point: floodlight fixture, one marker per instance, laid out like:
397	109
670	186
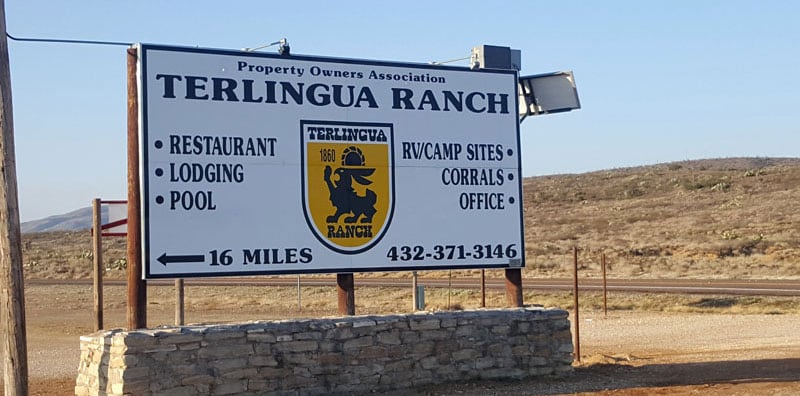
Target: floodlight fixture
284	49
538	94
547	94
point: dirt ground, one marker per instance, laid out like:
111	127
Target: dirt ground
625	353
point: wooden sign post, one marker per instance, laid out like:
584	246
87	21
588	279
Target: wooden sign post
97	263
137	288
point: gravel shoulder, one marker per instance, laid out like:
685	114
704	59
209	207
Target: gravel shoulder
636	353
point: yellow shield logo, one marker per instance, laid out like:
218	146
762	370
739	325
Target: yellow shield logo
348	182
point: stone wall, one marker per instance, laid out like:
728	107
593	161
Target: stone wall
348	354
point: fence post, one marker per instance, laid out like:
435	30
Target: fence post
414	295
483	288
605	285
299	296
97	263
577	310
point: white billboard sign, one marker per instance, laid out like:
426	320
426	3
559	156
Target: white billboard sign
262	164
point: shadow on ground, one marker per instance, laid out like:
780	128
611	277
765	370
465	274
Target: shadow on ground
704	373
618	377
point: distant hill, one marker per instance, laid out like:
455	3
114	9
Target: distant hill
76	220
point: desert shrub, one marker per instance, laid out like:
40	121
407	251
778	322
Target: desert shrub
633	192
741	247
721	186
693	185
714	302
118	264
674	167
754	172
729	235
735	203
645	252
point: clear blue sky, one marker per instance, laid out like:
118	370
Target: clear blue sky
659	81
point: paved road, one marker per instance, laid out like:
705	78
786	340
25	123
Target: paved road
693	286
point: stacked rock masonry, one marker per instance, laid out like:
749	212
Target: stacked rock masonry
319	356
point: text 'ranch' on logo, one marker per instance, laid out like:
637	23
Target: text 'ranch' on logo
348	182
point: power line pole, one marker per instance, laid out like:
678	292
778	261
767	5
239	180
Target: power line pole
15	359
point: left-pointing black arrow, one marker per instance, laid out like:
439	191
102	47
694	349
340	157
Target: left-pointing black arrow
190	258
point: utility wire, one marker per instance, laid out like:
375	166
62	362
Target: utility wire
64	41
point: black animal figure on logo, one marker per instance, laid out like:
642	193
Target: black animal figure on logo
344	198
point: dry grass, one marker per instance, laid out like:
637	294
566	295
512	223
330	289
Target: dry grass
68	255
217	303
